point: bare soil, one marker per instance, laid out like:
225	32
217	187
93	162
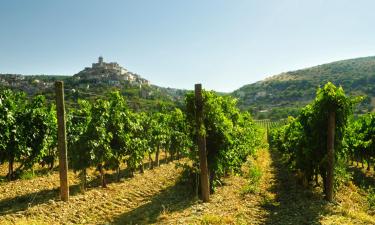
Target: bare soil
159	197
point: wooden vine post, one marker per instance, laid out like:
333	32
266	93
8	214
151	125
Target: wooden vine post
61	141
205	185
330	155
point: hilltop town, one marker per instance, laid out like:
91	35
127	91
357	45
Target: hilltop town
100	73
111	73
98	79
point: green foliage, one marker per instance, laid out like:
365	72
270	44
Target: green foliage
100	138
106	133
39	126
159	130
255	174
80	154
11	139
138	142
26	130
119	125
27	175
179	134
342	175
230	135
51	139
371	198
360	138
304	139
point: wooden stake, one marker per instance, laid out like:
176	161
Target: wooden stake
205	185
330	155
61	139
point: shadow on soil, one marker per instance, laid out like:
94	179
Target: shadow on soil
293	204
171	199
362	177
125	173
21	203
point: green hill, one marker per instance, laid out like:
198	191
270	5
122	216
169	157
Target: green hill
96	81
139	97
283	94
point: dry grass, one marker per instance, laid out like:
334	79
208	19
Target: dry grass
157	197
36	201
228	205
352	206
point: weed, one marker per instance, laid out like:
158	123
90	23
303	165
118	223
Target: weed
210	219
254	176
27	175
342	175
214	219
25	222
269	202
371	198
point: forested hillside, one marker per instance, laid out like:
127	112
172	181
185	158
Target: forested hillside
284	94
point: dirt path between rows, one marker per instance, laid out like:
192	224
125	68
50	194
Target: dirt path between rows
290	203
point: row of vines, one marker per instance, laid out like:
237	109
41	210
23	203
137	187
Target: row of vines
105	134
303	140
27	131
359	140
270	124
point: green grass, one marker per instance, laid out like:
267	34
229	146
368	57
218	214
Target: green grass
371	198
27	175
254	176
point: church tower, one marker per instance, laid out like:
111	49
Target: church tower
100	61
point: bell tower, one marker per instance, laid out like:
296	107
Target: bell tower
100	60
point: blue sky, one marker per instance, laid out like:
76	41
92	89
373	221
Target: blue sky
222	44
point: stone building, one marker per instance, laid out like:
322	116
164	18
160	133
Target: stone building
111	73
